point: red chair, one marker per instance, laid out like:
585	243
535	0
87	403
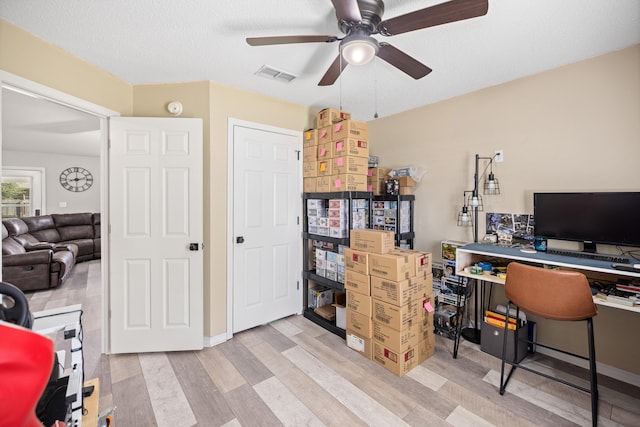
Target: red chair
26	361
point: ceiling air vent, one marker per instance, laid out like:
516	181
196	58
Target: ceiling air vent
274	74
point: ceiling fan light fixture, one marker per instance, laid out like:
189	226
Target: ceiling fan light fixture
358	49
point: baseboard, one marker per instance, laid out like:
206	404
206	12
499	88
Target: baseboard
609	371
215	340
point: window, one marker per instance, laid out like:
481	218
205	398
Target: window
22	193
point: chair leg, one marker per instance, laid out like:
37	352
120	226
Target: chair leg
593	374
503	382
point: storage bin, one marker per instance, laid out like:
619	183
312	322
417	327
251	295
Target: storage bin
491	341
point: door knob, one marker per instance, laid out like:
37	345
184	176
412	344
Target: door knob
193	246
239	239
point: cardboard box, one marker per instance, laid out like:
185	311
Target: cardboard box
426	327
405	191
424	262
378	173
309	154
396	317
357	282
356	260
397	362
393	266
323	184
350	147
329	116
425	285
406	181
324	135
359	343
327	312
310	169
310	138
426	348
323	151
399	293
349	182
373	241
376	187
398	341
350	165
359	323
324	167
359	303
350	129
309	185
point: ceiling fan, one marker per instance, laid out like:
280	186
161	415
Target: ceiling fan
360	19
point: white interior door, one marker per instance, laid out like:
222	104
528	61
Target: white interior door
267	205
156	217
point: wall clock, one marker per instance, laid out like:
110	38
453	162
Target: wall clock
76	179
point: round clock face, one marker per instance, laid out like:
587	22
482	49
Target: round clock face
76	179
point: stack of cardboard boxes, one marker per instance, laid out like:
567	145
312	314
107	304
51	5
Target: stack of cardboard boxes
336	153
389	314
375	180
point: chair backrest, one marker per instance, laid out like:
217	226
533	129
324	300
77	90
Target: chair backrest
552	294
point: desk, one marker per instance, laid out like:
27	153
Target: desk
614	322
69	320
475	252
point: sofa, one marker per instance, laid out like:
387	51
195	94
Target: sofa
39	252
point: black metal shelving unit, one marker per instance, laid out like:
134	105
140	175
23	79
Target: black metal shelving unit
410	198
309	273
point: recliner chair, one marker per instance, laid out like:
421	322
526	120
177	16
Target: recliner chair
32	265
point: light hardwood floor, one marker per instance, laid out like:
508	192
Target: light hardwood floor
294	373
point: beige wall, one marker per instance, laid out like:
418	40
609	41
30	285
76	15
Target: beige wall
27	56
572	128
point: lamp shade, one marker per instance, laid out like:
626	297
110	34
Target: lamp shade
491	185
464	218
358	49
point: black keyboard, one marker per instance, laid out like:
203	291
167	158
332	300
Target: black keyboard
589	255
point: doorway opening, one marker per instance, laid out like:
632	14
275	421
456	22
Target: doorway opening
75	117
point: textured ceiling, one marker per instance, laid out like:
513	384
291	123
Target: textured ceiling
162	41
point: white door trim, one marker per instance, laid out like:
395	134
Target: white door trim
231	123
37	90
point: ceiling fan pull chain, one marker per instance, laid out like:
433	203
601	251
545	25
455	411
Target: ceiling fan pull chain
375	89
340	82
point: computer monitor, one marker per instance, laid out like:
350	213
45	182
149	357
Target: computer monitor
611	218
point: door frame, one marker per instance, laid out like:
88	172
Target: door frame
231	123
37	90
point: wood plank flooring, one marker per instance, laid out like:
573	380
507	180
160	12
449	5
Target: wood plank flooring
294	373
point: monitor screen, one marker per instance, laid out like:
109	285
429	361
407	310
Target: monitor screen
600	217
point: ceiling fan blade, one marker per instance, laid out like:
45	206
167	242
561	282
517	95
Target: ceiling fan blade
347	10
265	41
402	61
444	13
333	72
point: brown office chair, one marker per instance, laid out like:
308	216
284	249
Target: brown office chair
555	295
